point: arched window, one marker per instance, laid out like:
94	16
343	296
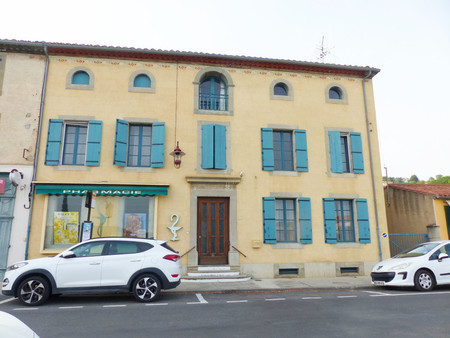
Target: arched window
280	89
213	94
80	78
335	93
142	81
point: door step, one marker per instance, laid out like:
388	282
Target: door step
214	274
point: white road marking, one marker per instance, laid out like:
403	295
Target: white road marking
156	304
410	294
311	297
378	293
200	298
274	299
25	308
237	301
70	307
117	305
7	300
347	296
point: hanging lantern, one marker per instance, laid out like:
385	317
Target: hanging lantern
177	153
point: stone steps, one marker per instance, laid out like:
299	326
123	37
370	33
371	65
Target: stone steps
214	274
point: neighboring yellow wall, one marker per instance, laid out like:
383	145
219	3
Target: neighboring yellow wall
253	110
441	220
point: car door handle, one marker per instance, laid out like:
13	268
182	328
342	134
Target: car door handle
135	260
96	263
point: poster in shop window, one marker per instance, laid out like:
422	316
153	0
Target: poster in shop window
65	227
135	225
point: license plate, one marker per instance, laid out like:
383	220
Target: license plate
379	283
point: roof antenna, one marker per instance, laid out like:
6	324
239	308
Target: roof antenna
323	51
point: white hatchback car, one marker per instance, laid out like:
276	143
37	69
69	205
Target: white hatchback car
140	266
423	267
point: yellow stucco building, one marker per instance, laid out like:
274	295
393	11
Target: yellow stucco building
281	173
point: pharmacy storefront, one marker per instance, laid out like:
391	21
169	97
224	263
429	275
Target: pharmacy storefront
116	211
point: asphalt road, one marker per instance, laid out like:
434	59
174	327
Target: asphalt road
323	313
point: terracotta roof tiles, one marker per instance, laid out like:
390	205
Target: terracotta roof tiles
437	190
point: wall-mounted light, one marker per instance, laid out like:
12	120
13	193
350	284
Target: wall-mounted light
177	153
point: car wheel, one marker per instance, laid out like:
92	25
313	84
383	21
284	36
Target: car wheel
33	291
424	280
146	288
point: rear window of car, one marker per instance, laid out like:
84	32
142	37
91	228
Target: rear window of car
165	245
121	248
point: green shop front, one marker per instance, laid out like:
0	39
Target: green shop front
117	211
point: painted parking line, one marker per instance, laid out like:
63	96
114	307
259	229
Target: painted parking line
116	305
348	296
200	298
311	297
274	299
7	300
25	308
70	307
156	304
237	301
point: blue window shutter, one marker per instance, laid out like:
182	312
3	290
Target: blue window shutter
220	147
121	143
94	143
363	220
208	146
267	149
329	218
357	155
158	140
335	152
269	220
53	142
301	150
305	220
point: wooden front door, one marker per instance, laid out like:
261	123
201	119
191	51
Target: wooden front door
212	230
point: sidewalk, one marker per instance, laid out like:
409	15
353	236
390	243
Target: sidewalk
275	284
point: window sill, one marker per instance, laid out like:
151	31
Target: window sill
343	175
281	97
141	90
213	112
336	101
138	169
284	173
287	246
72	167
348	245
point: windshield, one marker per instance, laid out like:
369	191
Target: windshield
419	250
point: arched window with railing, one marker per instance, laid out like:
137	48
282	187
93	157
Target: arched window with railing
213	94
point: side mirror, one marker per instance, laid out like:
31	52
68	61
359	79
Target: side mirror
67	254
442	256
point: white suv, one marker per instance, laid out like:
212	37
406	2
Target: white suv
140	266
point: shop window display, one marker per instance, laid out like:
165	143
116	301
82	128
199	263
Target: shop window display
113	216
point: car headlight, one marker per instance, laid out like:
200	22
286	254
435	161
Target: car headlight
16	266
401	266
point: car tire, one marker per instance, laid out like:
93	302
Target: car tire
424	280
33	291
146	288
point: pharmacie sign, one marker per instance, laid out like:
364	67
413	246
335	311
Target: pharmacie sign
49	189
104	192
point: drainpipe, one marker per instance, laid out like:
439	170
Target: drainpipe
36	156
371	164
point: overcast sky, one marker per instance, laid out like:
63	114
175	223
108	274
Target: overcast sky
409	40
